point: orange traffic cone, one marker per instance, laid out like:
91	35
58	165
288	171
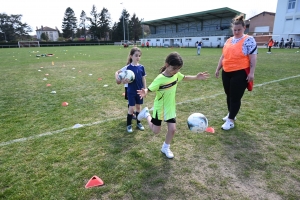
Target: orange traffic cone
93	182
210	130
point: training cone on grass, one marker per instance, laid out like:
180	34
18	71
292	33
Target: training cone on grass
64	103
94	181
210	130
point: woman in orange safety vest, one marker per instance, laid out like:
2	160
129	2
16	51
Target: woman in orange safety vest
238	62
270	44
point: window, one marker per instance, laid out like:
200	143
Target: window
157	40
205	38
188	39
291	5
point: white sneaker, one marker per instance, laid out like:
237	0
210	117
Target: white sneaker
140	127
226	117
129	129
167	152
227	125
143	114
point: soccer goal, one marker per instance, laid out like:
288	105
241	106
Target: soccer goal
28	44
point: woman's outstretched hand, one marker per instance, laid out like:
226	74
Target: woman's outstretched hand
203	75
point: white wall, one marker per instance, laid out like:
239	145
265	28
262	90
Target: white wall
53	35
287	21
209	41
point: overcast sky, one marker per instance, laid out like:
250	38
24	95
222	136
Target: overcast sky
37	13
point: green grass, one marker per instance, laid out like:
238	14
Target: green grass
43	157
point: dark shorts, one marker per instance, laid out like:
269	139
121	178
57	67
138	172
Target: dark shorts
134	99
157	122
126	93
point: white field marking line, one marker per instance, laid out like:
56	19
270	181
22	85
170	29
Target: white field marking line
54	132
255	85
100	122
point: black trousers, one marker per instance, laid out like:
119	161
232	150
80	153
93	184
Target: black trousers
270	48
234	84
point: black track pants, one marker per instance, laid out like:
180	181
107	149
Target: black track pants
234	84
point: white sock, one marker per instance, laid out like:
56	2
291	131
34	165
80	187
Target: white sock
166	145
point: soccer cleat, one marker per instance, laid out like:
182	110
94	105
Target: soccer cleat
226	117
140	126
167	152
227	125
129	129
143	114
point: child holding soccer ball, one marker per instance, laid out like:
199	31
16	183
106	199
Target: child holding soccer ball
139	82
165	85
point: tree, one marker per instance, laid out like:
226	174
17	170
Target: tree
44	36
104	23
119	28
59	33
82	23
94	22
11	27
69	24
135	28
115	32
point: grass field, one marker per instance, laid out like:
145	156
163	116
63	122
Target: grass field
43	157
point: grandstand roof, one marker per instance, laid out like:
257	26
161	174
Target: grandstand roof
204	15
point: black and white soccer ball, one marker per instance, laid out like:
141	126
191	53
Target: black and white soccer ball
197	122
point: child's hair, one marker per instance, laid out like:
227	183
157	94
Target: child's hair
173	59
239	20
132	51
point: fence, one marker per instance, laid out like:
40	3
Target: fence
54	44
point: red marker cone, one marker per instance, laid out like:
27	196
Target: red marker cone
65	104
93	182
210	130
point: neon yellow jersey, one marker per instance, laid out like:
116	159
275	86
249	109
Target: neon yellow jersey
164	104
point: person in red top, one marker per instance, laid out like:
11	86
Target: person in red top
147	44
238	62
270	44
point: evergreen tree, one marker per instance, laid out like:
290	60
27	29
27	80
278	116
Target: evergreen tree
94	27
82	24
116	32
69	24
104	23
121	27
135	28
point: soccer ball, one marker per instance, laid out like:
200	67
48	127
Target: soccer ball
128	74
197	122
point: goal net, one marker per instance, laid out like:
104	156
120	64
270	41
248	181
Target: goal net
28	44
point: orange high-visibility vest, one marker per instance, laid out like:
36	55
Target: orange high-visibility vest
271	42
233	56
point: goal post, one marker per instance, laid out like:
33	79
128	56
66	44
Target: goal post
28	44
